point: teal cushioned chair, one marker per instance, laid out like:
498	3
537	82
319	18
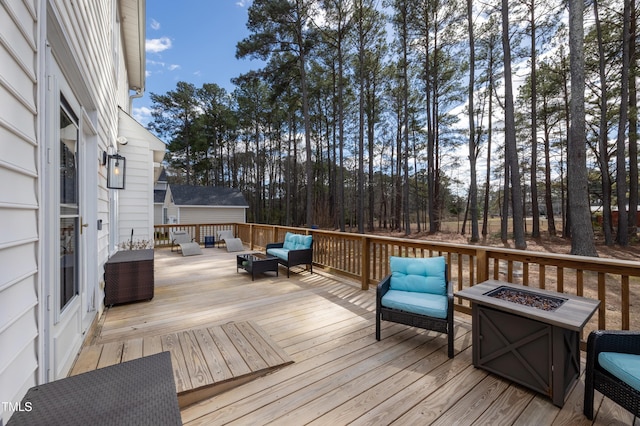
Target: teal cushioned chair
296	249
612	369
417	293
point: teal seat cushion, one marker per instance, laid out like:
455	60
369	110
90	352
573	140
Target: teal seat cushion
625	367
297	241
279	252
431	305
421	275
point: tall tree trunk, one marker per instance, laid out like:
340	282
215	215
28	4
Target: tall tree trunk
371	144
535	210
551	223
307	137
360	197
582	240
603	135
473	188
510	136
621	163
633	125
485	217
506	202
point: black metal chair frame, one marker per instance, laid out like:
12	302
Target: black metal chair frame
414	320
597	378
295	257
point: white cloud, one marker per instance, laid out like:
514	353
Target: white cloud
174	67
142	115
155	25
242	3
157	63
156	45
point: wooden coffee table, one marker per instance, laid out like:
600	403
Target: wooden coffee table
257	263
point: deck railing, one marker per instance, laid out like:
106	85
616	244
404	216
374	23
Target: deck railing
616	283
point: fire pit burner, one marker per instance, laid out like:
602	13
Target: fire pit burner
527	298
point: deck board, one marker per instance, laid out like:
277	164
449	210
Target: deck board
201	358
325	324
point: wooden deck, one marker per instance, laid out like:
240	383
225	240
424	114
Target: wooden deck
340	374
206	361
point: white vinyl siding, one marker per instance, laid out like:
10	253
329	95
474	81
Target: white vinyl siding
82	41
136	200
18	206
213	214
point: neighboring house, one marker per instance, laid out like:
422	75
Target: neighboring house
159	194
69	71
186	204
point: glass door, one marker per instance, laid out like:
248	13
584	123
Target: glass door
69	205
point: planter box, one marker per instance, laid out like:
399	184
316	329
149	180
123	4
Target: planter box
539	349
128	277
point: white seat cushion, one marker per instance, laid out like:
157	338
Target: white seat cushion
190	249
234	244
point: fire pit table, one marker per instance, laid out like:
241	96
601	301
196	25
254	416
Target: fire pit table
527	335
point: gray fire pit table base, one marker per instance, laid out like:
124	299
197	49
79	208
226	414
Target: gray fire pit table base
536	348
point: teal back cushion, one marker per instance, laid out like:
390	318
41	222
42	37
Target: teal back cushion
421	275
297	241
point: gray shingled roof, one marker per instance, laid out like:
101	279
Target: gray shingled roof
187	195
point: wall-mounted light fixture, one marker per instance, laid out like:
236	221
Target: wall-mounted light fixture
116	172
104	158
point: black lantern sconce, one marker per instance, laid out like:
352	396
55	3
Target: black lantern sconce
116	172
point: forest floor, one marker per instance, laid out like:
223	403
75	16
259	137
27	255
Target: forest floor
546	243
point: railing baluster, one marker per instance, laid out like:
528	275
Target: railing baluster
602	311
626	302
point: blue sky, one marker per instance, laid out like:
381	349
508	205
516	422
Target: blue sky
193	41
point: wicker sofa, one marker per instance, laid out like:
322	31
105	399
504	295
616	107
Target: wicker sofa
417	293
296	249
611	356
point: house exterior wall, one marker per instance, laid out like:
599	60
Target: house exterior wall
19	238
136	212
173	212
158	218
84	40
214	214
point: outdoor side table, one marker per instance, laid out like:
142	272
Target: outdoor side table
128	277
537	348
138	392
257	263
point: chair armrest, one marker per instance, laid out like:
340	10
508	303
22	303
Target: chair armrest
382	289
450	300
275	245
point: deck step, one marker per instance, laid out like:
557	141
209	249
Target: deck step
206	361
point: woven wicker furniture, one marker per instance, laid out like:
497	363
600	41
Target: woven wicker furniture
140	392
442	325
257	263
597	378
296	249
128	277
